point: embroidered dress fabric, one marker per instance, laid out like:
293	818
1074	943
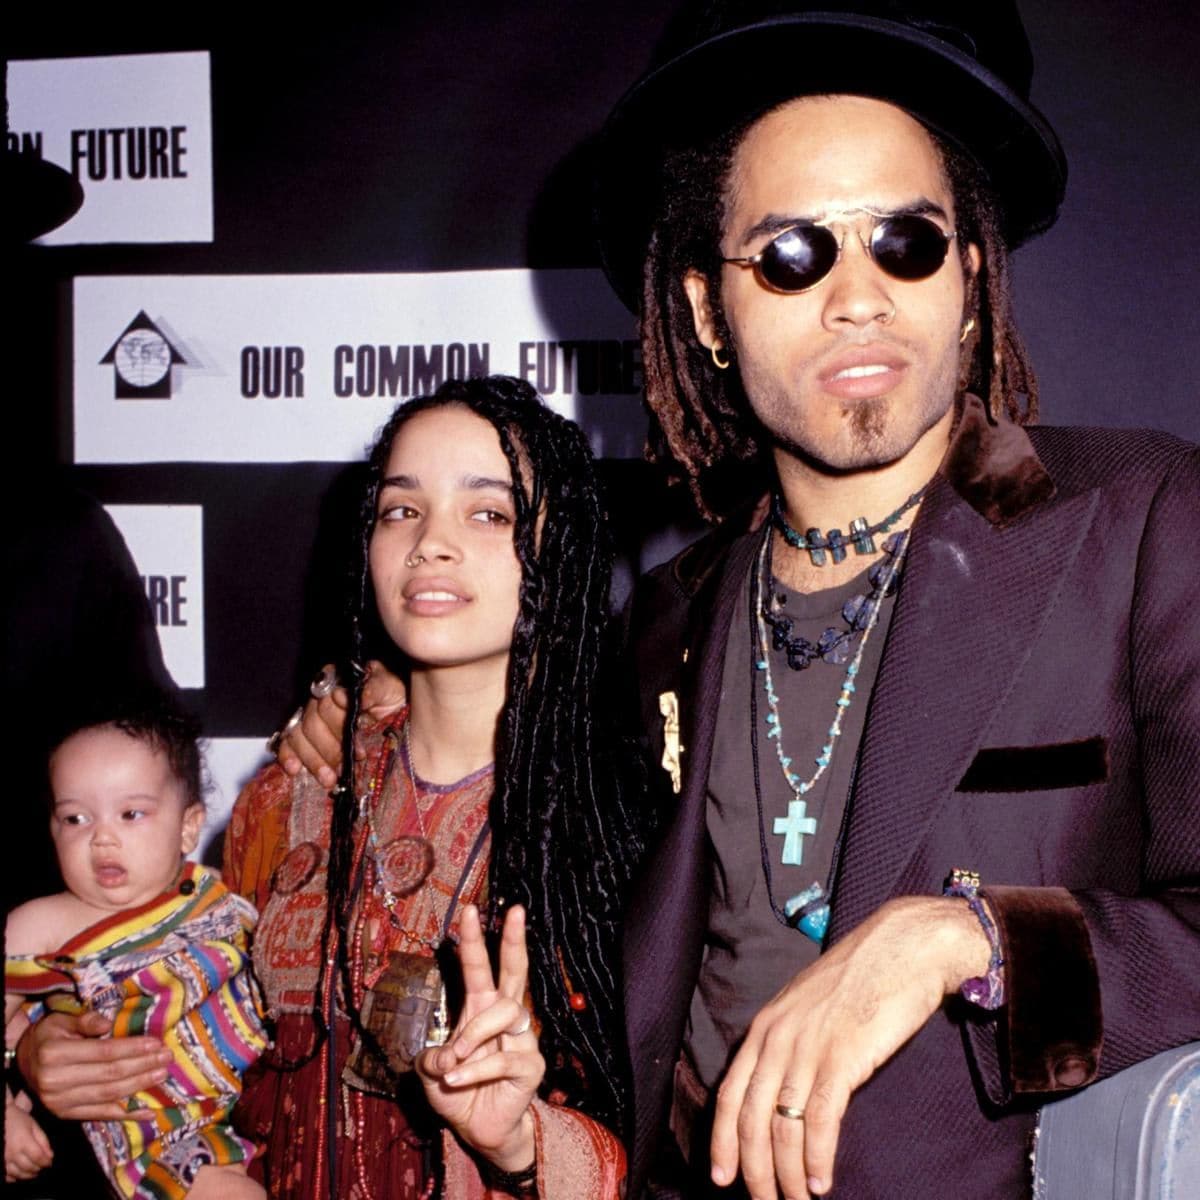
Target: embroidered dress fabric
276	851
176	969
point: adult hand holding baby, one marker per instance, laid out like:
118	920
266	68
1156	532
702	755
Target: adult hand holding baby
81	1075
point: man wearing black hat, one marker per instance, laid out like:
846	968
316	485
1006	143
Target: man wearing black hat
946	653
811	209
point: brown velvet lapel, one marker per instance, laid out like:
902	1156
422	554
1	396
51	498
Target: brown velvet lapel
994	467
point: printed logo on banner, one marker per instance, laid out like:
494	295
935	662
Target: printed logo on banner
142	359
166	541
134	129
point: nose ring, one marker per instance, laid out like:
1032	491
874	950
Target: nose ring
888	317
414	560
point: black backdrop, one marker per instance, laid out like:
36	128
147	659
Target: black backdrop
452	137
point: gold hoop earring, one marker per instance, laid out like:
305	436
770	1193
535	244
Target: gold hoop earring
966	330
721	365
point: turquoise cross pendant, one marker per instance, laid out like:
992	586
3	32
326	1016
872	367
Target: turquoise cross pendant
793	827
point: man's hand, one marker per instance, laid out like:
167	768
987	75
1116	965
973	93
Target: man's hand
80	1075
315	742
827	1032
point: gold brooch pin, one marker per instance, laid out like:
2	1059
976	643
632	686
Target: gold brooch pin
668	705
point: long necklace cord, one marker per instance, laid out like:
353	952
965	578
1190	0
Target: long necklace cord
809	910
758	799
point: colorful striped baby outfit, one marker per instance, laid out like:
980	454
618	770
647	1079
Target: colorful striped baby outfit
176	968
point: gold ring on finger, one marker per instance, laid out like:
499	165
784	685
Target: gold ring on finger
792	1113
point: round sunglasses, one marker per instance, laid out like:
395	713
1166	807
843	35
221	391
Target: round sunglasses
905	245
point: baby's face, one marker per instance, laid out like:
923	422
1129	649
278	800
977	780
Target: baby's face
121	820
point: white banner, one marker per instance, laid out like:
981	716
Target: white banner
231	763
134	129
167	544
285	368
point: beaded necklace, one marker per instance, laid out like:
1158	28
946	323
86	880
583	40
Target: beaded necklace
400	867
834	645
809	910
861	536
405	863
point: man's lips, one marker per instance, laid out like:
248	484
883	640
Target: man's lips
863	372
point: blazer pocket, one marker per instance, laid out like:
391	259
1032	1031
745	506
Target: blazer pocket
1038	768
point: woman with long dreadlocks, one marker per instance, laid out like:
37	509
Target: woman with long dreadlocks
484	562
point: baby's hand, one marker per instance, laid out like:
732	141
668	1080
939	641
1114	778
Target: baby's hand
26	1148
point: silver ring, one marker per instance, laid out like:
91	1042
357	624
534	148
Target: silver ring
524	1027
324	681
276	739
792	1114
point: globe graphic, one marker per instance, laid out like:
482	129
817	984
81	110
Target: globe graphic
143	357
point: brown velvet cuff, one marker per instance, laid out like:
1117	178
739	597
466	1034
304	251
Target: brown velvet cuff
1055	1023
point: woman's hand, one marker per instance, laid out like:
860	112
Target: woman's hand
482	1081
314	743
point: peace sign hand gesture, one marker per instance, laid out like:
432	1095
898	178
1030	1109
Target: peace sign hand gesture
483	1080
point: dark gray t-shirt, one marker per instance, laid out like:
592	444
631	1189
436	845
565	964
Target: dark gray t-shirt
749	955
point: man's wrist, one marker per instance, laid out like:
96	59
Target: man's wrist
982	979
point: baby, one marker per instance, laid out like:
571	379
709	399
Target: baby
155	943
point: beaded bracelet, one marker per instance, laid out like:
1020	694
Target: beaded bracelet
984	991
514	1183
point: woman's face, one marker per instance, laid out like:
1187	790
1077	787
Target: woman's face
445	573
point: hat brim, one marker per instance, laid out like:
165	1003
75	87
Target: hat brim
747	71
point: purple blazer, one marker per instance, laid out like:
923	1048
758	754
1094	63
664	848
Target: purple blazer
1036	717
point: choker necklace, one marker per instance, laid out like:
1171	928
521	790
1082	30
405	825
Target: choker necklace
861	536
833	646
809	910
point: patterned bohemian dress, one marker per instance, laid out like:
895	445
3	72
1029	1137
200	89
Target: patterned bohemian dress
420	855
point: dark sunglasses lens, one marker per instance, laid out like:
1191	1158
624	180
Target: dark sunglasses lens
798	258
909	247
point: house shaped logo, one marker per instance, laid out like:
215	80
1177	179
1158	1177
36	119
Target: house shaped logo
142	359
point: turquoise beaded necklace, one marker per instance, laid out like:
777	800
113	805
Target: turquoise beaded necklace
797	823
808	910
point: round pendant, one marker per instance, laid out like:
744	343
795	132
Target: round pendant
298	868
404	864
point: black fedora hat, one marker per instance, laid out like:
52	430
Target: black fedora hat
961	67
